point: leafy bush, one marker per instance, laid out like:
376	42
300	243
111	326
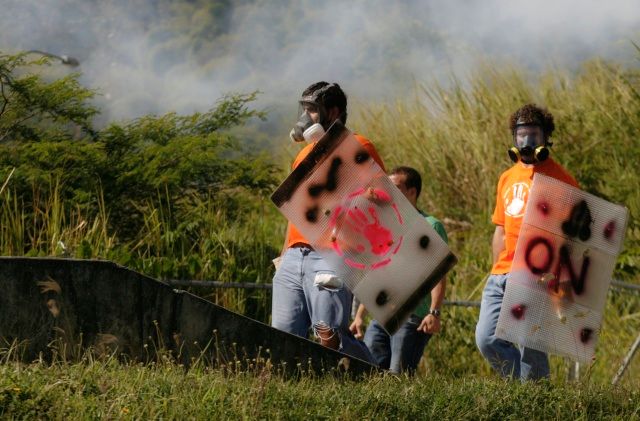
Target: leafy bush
174	196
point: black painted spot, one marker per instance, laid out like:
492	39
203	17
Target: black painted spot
424	241
315	190
362	157
382	298
312	214
332	179
585	335
578	224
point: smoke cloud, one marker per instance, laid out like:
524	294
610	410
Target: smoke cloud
154	56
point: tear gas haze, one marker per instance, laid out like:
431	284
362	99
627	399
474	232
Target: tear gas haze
154	56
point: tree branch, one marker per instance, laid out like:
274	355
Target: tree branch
16	124
4	96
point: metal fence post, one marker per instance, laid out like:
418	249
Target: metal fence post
626	361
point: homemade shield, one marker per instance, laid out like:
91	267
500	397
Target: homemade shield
562	267
345	205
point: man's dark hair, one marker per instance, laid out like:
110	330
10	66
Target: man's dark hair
412	178
329	95
531	114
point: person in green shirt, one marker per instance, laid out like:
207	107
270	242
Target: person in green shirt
401	352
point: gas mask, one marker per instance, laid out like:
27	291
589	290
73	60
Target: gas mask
530	144
311	108
305	129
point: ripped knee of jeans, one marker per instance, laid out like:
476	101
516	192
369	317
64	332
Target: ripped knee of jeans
328	336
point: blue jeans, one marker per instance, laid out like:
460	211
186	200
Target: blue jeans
402	350
298	304
504	357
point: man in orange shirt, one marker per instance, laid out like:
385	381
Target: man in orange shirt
306	292
531	128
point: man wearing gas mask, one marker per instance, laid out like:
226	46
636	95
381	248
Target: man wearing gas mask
531	127
306	292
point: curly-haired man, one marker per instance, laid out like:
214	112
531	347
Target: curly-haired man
531	128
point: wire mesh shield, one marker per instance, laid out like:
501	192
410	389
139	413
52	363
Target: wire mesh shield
530	318
562	267
345	205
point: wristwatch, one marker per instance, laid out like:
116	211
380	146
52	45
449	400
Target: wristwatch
436	313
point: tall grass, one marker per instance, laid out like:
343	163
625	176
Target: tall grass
204	245
107	389
207	245
457	136
44	226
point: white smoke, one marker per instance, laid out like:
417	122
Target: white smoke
134	53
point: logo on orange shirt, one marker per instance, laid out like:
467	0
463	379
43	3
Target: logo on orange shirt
515	199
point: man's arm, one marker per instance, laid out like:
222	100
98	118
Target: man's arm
431	323
497	245
357	326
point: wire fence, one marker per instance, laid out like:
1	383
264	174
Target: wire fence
617	286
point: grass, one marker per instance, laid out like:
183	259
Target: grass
106	389
457	137
206	245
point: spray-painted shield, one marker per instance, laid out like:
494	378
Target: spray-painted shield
562	268
352	214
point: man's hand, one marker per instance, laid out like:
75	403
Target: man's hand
357	327
377	195
430	324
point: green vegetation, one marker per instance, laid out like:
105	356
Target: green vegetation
182	197
107	389
172	196
457	136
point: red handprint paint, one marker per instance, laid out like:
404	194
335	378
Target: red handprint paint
371	235
354	264
381	264
380	238
395	208
398	246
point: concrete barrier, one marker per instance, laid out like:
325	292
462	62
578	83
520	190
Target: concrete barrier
70	306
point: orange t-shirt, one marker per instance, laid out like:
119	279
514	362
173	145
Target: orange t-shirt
296	236
511	202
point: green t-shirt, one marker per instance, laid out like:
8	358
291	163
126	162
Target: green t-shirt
425	305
